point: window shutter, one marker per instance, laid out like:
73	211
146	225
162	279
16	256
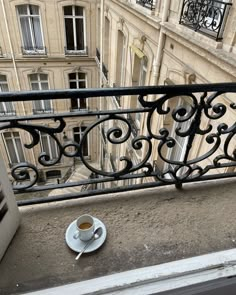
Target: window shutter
9	213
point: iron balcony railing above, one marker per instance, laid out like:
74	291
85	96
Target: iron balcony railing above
150	4
188	135
205	16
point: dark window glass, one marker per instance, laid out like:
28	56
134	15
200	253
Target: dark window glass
72	76
69	34
78	10
74	104
80	34
68	10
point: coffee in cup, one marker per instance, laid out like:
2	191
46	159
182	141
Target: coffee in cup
85	227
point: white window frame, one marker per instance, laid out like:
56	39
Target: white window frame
29	17
12	137
3	103
50	142
74	17
42	102
77	81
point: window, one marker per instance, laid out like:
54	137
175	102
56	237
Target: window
13	147
78	80
6	108
31	30
120	59
138	79
49	146
75	28
40	82
78	133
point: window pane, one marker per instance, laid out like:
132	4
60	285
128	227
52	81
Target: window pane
19	149
73	85
34	77
2	110
44	85
38	105
53	146
81	75
69	34
22	9
34	9
3	78
80	34
35	86
4	87
74	103
68	10
82	84
83	103
11	151
26	35
47	105
36	30
78	10
43	77
9	106
72	76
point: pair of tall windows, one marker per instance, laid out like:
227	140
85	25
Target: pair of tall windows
14	146
32	34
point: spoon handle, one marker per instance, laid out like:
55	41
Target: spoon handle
85	247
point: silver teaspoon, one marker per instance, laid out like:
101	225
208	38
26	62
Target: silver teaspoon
97	235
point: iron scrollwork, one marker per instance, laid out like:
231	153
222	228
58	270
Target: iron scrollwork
206	16
167	154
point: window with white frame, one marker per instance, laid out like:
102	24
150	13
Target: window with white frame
40	82
75	28
76	81
6	108
49	145
120	59
31	29
13	147
78	134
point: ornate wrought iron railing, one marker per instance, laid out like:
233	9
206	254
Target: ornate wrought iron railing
150	4
188	135
206	16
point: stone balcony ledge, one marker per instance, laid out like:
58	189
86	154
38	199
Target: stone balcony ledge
145	227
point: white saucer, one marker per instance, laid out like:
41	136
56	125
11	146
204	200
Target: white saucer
77	245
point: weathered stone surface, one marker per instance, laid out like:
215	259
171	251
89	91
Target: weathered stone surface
145	228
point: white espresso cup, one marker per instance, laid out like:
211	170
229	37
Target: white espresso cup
85	228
